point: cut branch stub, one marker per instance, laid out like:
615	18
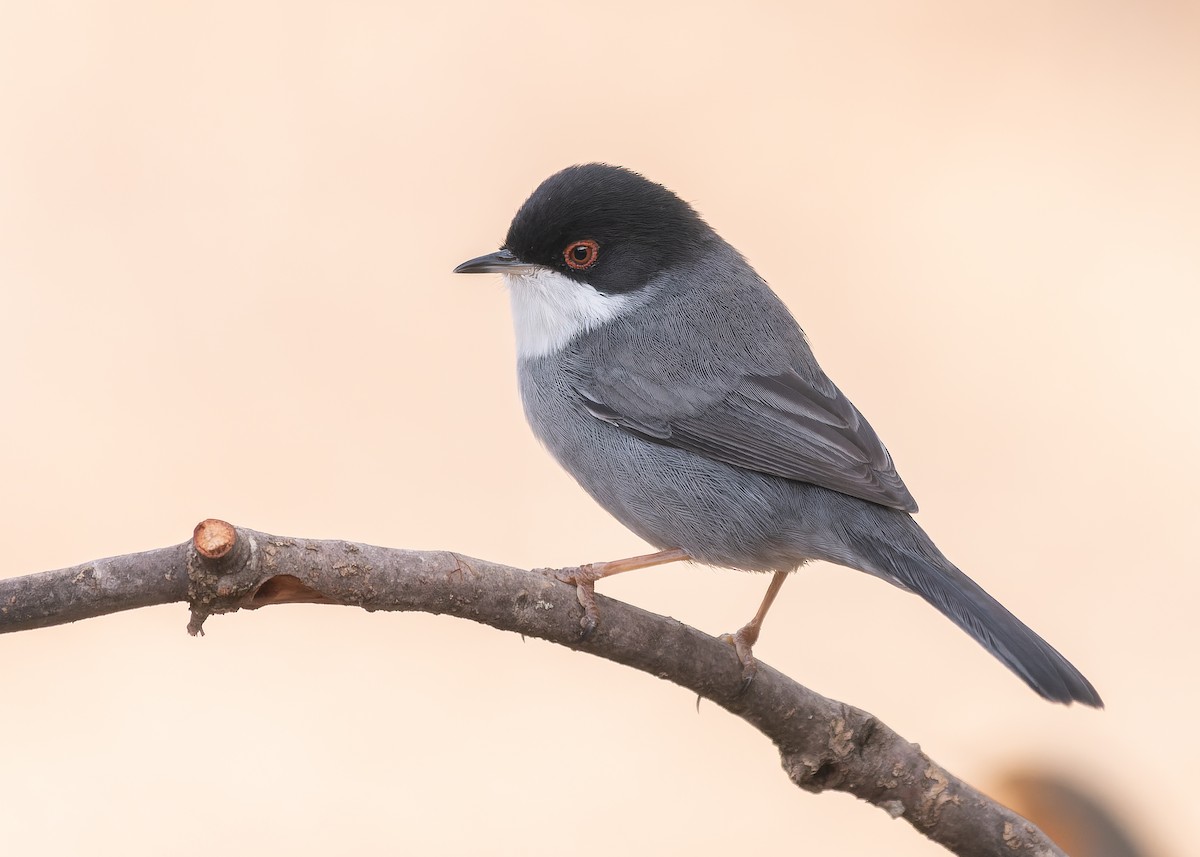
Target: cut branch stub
214	538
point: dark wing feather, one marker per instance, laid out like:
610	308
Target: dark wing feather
785	425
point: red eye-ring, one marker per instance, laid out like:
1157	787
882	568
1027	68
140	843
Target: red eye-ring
581	255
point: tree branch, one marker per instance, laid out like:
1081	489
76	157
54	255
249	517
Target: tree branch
824	744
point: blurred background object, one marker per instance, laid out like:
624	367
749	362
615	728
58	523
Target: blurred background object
984	213
1080	822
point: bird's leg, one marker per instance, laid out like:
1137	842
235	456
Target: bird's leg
584	578
743	640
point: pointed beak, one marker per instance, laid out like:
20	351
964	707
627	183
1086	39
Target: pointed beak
500	262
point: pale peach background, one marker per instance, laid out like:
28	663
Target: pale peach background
226	235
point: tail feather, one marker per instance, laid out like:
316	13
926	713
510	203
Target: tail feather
967	605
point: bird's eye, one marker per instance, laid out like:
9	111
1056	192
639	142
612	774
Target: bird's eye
581	255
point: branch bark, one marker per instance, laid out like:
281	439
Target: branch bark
823	743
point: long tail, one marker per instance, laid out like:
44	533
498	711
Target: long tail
917	565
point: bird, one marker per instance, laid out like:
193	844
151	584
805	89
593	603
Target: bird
667	377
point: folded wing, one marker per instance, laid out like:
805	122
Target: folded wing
792	425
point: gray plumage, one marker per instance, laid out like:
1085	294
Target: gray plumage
698	416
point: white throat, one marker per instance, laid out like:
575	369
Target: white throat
550	309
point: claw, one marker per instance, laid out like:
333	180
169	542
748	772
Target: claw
743	645
749	671
583	578
588	623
